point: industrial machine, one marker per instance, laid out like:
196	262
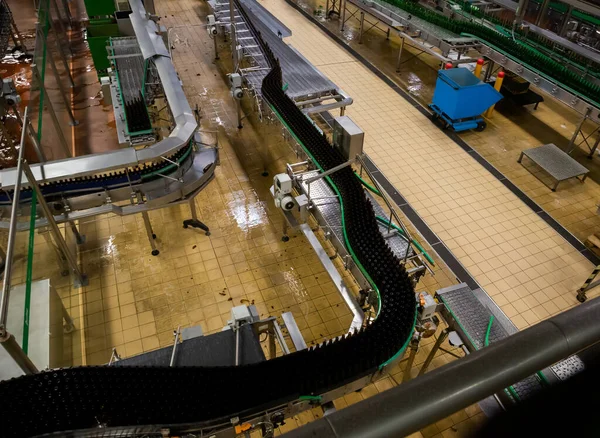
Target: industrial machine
460	98
122	400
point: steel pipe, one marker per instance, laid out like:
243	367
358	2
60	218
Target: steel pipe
12	232
411	406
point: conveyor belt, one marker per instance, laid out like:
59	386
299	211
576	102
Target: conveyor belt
108	181
85	397
303	79
130	73
473	319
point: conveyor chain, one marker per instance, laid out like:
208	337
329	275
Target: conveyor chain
117	397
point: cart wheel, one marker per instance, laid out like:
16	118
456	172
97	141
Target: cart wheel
481	126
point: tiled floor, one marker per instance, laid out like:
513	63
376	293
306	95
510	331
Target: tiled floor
528	269
509	131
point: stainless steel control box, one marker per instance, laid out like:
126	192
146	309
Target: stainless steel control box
348	137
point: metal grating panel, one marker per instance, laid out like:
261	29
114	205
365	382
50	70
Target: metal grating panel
568	368
473	318
330	209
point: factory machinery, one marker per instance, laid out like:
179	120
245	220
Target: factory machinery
154	170
453	31
175	401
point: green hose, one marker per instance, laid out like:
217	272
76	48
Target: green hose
488	331
486	342
29	275
414	242
367	185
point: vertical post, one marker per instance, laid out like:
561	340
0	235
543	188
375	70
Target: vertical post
441	338
238	105
272	348
400	55
488	71
61	136
542	13
216	47
176	334
58	238
61	89
80	239
414	347
478	67
63	58
362	27
237	344
497	86
596	144
563	29
520	12
150	233
62	259
327	9
12	235
577	130
343	14
233	36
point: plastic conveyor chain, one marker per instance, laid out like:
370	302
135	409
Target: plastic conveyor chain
118	397
107	181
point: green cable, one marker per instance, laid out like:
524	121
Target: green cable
414	242
29	275
488	331
367	185
310	397
486	342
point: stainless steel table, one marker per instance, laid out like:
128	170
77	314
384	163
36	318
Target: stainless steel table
557	163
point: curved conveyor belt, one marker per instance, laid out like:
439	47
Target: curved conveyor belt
116	397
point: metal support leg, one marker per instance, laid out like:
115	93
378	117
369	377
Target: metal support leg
596	144
61	88
151	235
62	259
272	347
176	335
11	346
48	103
414	347
362	27
441	338
387	34
343	14
400	55
69	325
238	105
216	47
285	237
80	239
58	238
577	131
65	63
194	222
488	71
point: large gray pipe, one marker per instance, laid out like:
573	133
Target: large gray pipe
411	406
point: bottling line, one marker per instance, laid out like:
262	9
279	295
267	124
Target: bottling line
222	385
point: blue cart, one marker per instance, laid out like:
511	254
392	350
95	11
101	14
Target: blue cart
460	98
